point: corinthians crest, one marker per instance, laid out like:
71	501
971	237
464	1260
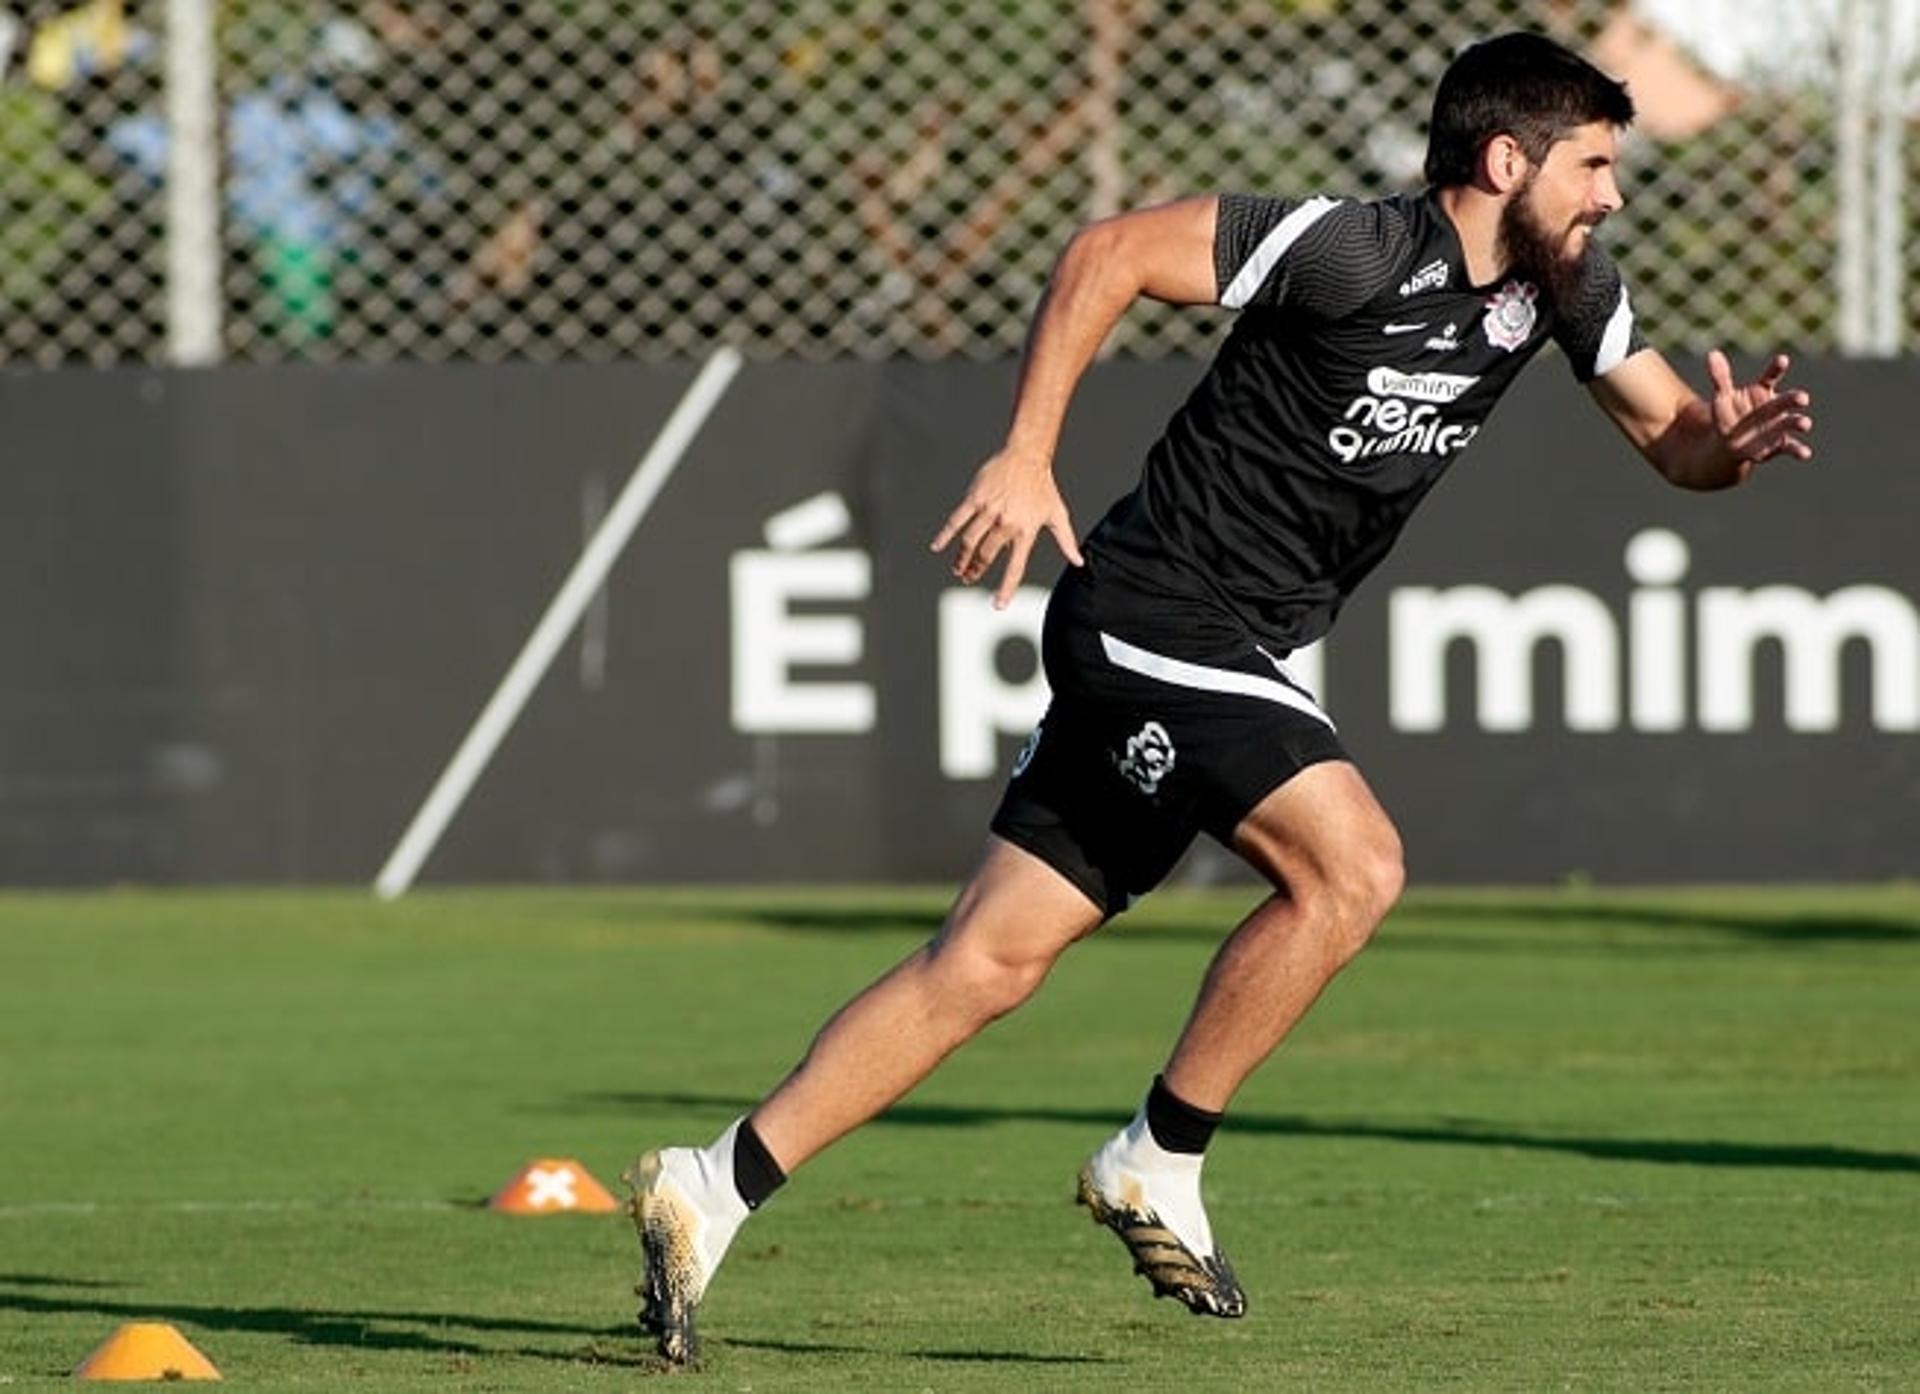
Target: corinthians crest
1510	315
1149	758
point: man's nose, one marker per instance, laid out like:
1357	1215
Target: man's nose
1607	195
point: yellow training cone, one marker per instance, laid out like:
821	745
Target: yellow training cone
146	1350
553	1186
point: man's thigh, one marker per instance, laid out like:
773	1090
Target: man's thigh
1017	908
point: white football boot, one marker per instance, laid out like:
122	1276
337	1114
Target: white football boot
687	1212
1150	1197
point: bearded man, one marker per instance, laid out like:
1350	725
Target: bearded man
1374	338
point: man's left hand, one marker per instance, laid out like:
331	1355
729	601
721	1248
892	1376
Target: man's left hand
1758	421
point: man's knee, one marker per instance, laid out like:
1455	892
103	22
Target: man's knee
981	985
1327	846
1362	886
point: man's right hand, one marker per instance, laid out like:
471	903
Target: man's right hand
1012	498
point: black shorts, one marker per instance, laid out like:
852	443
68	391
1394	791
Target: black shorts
1139	750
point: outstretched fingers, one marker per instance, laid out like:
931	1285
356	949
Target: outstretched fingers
1720	371
1775	427
1758	421
1775	370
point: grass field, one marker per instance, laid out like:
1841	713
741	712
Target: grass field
1529	1142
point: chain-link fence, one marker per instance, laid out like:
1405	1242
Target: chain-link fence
816	178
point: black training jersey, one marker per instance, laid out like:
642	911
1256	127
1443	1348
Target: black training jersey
1362	364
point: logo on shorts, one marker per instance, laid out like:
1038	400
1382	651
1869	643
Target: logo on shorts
1025	757
1149	758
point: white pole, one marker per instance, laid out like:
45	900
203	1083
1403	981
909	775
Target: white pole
193	185
1852	198
587	576
1889	185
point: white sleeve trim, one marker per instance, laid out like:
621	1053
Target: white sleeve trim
1255	269
1614	342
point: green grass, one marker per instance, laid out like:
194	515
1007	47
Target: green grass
1529	1141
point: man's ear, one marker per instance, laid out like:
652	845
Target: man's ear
1503	164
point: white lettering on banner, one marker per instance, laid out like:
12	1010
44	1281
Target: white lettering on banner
977	705
1669	660
1732	625
1504	630
770	641
1811	633
1657	632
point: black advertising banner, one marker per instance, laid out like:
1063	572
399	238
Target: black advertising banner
249	615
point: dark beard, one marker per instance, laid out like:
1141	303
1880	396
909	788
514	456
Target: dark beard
1537	253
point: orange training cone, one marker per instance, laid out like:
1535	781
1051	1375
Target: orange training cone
551	1186
146	1350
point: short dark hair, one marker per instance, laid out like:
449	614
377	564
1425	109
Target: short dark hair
1522	85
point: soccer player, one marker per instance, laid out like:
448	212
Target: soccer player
1374	338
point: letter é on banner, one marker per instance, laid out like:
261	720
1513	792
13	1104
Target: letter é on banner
771	641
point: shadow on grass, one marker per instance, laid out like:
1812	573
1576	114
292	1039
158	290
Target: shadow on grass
1414	925
369	1331
1450	1133
621	1346
1804	927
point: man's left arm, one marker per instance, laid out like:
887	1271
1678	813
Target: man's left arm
1705	443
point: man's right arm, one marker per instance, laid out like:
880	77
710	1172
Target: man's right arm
1165	253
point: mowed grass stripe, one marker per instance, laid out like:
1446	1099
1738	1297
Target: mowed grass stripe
1530	1140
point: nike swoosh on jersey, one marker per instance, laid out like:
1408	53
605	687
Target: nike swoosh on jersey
1402	328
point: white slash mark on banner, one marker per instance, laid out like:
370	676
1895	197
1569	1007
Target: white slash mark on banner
563	613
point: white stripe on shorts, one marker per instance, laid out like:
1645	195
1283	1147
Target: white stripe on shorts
1197	675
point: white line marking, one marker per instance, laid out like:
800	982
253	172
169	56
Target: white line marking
589	572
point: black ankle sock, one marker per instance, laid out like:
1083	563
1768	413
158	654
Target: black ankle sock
755	1173
1176	1124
